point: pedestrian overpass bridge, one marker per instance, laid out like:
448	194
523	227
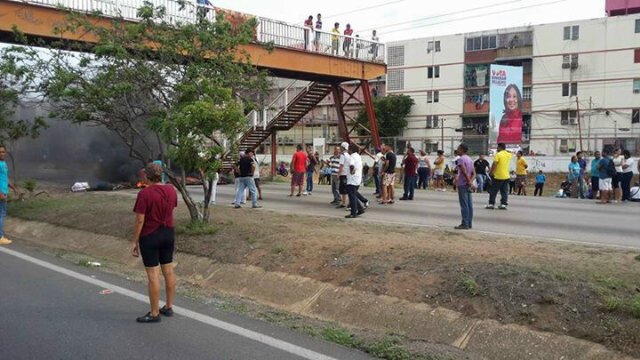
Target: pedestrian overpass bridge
297	53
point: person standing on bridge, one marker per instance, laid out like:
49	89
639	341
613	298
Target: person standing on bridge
154	240
335	39
203	9
308	29
346	43
465	184
500	174
298	167
318	31
5	185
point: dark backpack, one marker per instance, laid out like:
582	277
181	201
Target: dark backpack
611	168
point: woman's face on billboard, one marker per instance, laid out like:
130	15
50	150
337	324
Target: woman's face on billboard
512	99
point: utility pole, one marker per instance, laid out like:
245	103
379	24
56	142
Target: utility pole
442	134
589	127
579	122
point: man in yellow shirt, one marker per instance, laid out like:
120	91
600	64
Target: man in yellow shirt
335	39
521	174
500	178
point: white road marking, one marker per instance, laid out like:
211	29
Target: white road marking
234	329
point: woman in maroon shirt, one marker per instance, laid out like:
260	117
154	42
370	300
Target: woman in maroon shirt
154	239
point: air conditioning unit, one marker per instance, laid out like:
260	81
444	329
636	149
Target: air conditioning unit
564	148
566	65
636	91
574	65
573	121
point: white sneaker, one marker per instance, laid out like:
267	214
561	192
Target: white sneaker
305	193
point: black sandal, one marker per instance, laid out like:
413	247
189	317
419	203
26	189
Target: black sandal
168	312
149	318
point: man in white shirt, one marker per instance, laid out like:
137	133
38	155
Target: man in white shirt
343	171
354	180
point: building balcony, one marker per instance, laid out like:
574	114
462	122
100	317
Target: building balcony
482	56
523	52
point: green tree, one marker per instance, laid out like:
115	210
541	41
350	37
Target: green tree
163	88
391	114
16	82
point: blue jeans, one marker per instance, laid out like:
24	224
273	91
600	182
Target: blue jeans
409	186
466	205
501	186
244	183
423	178
309	181
354	200
3	214
480	179
376	179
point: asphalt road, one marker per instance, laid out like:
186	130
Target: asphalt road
570	220
50	309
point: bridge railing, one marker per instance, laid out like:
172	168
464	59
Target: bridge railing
279	33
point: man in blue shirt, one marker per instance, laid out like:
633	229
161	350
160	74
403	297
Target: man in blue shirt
604	178
4	193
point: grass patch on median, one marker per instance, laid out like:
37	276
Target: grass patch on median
196	228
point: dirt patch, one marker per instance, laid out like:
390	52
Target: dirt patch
585	292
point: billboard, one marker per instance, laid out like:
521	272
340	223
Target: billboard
505	106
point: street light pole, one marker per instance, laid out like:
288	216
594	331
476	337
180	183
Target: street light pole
442	134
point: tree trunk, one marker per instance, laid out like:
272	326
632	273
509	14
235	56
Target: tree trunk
194	213
207	186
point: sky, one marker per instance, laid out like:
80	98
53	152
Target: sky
409	19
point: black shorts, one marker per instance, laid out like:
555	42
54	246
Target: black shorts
342	188
615	180
157	248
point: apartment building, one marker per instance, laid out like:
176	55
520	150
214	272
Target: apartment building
581	84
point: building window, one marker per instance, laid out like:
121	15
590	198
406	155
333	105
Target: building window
526	94
396	55
637	26
432	121
636	86
481	43
433	72
635	116
570	89
636	56
395	79
433	46
570	61
568	117
572	32
433	96
567	145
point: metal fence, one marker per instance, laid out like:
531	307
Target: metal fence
268	31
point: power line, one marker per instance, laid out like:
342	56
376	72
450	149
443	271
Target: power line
443	15
365	8
475	16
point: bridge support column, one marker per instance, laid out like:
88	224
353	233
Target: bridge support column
343	130
371	113
274	150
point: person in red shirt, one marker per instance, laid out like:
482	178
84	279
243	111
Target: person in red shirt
346	44
410	164
298	168
154	239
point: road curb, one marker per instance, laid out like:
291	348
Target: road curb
308	297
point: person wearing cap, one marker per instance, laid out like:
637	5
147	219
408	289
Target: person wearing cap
154	240
343	171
